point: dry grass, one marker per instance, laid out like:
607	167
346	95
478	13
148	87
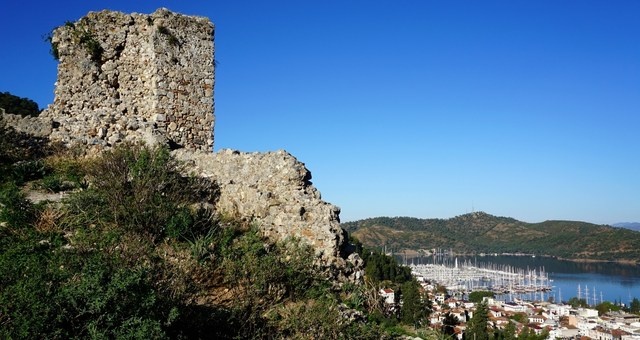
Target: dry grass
48	220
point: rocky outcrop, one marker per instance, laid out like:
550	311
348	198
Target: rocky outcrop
274	191
127	77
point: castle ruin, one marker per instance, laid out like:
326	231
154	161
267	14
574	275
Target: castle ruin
124	77
149	78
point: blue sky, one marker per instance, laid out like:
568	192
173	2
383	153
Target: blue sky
527	109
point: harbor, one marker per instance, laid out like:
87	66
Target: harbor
460	278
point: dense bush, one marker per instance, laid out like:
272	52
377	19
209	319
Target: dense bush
135	252
46	292
17	105
15	209
20	152
380	267
144	189
478	295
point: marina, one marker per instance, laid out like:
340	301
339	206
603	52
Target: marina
593	281
464	277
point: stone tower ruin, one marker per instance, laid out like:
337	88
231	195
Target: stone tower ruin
127	77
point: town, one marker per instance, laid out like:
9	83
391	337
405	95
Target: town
511	298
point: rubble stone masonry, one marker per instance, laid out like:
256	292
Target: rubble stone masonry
134	76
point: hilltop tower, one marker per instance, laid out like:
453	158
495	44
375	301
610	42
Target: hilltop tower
134	76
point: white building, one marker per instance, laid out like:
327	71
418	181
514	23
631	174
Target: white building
388	295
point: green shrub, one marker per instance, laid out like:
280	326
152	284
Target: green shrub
200	246
270	272
190	224
53	46
92	46
15	209
109	302
478	295
173	40
49	294
57	174
144	189
26	289
28	170
52	183
130	253
179	224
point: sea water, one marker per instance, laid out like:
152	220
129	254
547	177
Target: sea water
592	281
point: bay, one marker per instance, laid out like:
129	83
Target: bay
594	281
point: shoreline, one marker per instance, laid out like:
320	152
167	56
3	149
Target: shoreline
415	253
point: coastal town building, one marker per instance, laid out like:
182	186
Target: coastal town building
388	296
558	320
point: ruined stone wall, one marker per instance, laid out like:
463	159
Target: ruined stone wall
274	191
34	126
134	77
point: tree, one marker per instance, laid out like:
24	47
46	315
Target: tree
606	307
634	307
479	295
477	326
449	324
380	267
414	308
530	334
19	106
509	332
520	317
575	302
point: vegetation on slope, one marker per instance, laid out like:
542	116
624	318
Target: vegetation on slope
483	233
135	250
383	272
17	105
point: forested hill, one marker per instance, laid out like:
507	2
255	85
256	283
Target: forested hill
480	232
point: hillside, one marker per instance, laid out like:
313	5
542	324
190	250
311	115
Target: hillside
118	221
629	225
122	245
484	233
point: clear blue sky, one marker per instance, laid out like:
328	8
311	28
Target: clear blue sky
527	109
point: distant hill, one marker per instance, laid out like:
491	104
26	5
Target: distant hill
629	225
480	232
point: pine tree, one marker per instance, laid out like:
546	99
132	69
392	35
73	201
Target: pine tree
634	307
479	323
449	324
509	332
414	309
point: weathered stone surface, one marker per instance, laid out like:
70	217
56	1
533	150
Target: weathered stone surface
274	191
134	72
35	126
